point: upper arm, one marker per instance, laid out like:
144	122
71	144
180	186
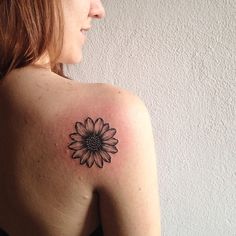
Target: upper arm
128	185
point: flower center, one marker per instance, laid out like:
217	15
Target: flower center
93	142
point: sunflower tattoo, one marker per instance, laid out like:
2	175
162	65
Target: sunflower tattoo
92	142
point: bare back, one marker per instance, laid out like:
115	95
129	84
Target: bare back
46	191
42	188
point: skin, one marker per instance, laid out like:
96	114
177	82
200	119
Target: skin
50	193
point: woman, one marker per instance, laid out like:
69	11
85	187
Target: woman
76	158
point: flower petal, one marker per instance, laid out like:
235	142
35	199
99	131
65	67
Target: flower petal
76	137
79	153
98	159
90	160
89	125
108	134
111	141
80	129
84	157
98	125
104	129
109	148
105	156
76	145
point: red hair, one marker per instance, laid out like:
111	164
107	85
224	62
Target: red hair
29	29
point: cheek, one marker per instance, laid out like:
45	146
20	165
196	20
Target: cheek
73	43
72	30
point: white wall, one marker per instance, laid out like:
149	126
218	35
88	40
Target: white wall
180	58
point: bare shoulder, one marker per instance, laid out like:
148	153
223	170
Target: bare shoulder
104	142
113	141
113	93
98	114
80	139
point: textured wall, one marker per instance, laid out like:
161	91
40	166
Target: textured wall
180	58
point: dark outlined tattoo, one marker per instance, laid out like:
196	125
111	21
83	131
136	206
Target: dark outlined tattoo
92	142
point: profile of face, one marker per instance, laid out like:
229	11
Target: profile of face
78	15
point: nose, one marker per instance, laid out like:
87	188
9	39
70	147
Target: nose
97	10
